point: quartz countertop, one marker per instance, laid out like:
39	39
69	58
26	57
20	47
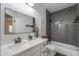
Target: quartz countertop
13	49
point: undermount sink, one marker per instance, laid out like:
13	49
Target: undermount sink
18	46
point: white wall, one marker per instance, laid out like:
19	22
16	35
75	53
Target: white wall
0	29
37	11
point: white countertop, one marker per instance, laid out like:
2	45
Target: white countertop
8	50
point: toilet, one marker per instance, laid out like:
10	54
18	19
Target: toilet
51	50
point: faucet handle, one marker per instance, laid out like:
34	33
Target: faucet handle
19	38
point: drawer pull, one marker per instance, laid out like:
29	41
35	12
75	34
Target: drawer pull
44	44
45	51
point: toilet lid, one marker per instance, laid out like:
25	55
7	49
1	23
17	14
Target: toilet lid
51	47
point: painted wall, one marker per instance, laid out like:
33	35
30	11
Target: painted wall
37	11
62	30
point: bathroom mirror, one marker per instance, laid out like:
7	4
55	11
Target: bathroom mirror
16	22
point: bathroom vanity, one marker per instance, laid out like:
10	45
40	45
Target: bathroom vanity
36	47
21	34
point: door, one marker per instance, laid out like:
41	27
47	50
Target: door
8	24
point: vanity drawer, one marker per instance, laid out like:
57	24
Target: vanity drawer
31	51
44	44
44	48
44	51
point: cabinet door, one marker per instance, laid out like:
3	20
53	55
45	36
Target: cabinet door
30	52
36	54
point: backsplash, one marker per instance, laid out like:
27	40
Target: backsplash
62	29
9	38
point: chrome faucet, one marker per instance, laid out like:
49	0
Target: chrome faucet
18	40
30	37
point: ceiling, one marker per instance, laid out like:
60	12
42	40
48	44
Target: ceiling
53	7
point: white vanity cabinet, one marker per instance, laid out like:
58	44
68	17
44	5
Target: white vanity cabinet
30	52
35	47
38	50
43	49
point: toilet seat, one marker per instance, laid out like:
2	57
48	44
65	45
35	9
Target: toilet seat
51	50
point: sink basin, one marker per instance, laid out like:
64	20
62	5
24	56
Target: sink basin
17	46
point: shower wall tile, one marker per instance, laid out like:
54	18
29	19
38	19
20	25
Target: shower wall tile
64	34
